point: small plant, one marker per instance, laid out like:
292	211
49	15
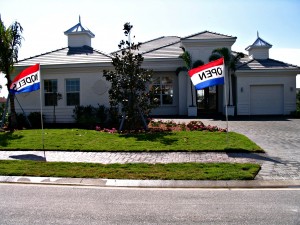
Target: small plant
195	125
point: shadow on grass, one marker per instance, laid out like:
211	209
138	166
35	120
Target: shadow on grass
6	137
28	157
154	137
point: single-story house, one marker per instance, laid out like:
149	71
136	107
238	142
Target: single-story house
259	86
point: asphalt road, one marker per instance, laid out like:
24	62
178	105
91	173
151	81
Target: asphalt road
51	204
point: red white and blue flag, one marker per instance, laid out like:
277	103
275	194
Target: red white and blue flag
210	74
27	81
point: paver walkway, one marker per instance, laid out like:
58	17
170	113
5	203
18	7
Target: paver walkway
115	157
280	138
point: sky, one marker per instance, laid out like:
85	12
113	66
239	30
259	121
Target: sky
45	21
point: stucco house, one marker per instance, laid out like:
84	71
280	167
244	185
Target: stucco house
260	85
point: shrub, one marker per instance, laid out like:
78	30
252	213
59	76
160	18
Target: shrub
89	116
35	119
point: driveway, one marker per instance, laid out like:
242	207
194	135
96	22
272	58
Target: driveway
279	137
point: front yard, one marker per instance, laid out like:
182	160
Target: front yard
91	140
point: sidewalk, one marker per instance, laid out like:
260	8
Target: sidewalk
151	183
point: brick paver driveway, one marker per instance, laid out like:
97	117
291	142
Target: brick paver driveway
279	137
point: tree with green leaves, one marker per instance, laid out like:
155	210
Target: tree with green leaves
230	61
10	42
130	84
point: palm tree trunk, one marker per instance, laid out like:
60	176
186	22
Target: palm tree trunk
192	95
13	116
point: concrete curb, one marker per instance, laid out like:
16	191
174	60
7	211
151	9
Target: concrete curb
152	183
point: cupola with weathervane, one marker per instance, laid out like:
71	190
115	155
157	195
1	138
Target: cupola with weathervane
78	36
259	49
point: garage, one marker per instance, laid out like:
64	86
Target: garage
266	99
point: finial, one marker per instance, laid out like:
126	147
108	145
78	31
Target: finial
79	19
257	35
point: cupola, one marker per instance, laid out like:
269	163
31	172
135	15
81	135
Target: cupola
78	36
259	49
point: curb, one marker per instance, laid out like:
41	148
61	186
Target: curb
152	183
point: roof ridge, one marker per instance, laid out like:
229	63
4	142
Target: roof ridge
146	42
284	62
167	45
202	32
35	56
100	52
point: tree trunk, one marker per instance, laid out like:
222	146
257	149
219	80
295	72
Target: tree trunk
12	121
13	116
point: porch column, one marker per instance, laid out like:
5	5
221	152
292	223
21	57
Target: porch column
182	93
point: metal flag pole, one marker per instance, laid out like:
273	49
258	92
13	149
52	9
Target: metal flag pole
42	122
226	110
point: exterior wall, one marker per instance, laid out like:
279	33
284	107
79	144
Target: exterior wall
79	40
259	53
93	91
246	79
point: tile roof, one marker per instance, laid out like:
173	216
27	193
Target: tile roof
263	64
67	55
206	35
162	47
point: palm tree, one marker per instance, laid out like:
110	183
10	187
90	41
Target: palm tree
187	59
230	61
10	41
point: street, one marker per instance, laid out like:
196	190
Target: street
51	204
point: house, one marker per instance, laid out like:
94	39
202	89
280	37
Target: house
259	86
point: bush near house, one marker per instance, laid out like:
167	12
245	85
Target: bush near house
89	116
33	117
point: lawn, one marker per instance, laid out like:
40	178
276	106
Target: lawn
91	140
172	171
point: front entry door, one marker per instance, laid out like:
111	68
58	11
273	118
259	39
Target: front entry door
207	100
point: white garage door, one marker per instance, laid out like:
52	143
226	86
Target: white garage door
266	99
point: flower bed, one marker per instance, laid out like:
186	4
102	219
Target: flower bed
167	126
191	126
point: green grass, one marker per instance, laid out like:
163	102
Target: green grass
90	140
172	171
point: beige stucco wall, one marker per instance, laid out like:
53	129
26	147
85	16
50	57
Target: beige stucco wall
246	79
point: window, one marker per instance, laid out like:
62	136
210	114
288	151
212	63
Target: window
164	87
50	92
73	91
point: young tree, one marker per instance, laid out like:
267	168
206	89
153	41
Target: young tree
130	84
10	41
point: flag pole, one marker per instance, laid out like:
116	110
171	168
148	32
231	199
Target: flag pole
226	109
42	122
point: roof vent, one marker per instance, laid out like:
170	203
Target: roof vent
259	49
79	36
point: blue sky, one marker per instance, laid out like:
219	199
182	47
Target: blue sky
44	22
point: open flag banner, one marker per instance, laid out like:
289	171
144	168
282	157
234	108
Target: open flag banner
27	81
210	74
